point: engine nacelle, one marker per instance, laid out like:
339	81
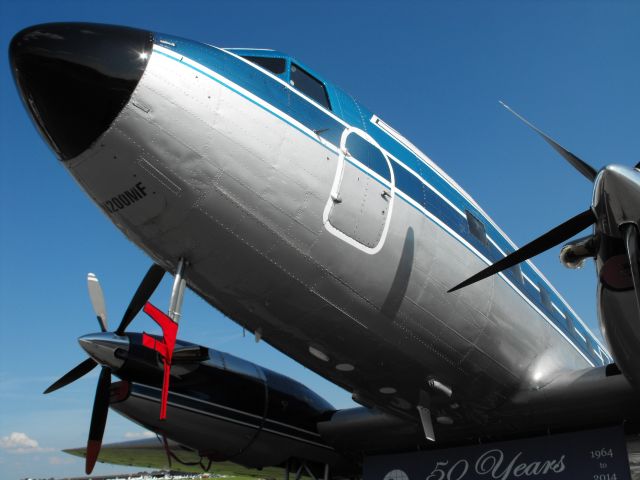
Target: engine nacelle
223	407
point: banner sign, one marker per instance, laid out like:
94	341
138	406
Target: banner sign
589	455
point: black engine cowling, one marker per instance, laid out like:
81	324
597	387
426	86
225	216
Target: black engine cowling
224	407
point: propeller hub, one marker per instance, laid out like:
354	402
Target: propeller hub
616	198
106	348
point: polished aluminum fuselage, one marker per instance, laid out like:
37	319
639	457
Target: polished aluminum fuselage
243	197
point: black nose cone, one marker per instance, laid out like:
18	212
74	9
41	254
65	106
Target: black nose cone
75	78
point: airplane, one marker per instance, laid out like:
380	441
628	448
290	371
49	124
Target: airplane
288	206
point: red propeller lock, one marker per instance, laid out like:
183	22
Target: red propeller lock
164	348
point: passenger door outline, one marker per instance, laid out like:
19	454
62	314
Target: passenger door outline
343	159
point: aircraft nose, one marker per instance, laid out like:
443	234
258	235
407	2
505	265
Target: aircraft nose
106	348
74	78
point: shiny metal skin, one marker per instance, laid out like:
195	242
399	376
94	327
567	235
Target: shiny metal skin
616	198
102	348
616	202
177	292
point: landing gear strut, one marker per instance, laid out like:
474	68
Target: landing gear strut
177	293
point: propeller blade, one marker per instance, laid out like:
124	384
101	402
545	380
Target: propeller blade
98	419
583	167
148	285
97	300
631	241
550	239
73	375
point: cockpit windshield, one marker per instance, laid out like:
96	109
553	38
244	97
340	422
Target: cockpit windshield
297	77
276	66
309	85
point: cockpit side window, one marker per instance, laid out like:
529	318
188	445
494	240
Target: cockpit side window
276	66
310	86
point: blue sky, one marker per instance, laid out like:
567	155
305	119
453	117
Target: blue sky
433	70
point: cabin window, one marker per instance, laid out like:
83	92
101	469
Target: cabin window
368	155
276	66
569	320
310	86
517	273
476	227
516	270
598	353
544	298
603	355
581	335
